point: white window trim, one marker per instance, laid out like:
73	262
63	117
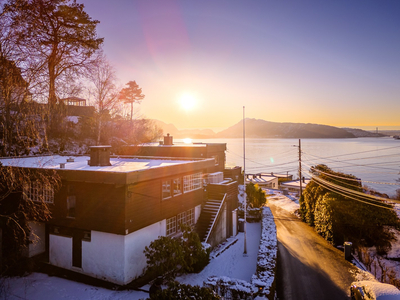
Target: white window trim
162	189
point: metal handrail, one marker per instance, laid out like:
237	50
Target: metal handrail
215	219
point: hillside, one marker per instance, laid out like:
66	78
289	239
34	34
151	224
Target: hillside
363	133
256	128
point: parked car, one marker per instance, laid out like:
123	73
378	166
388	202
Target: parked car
373	290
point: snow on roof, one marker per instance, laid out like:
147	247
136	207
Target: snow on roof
263	179
119	165
295	183
381	291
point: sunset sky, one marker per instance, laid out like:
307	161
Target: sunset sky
200	62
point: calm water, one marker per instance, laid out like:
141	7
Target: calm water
375	160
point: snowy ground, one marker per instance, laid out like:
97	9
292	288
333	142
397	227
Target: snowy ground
231	263
228	260
286	202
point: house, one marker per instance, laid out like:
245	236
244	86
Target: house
109	208
294	185
76	107
263	180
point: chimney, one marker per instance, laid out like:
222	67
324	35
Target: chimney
99	156
168	140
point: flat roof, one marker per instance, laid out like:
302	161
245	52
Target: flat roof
122	170
263	179
120	165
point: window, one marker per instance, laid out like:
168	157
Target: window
71	204
177	186
190	217
171	226
38	192
166	189
181	218
192	182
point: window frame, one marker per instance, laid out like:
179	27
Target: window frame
166	183
177	182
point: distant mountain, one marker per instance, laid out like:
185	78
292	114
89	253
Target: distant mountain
363	133
186	133
256	128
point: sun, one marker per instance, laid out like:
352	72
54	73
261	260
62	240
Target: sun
187	102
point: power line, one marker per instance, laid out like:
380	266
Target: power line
336	176
352	197
350	191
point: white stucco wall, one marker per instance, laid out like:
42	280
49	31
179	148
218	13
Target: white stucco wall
197	211
115	258
37	237
60	248
135	260
103	256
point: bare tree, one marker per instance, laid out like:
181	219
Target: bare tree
132	94
103	90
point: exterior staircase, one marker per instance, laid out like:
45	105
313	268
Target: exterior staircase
207	217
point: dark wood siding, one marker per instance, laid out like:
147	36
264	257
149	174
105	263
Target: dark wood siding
146	205
99	207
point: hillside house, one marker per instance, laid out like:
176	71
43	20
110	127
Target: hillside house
109	208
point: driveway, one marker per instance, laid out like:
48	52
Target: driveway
308	266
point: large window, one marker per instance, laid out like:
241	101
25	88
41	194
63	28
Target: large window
38	192
186	218
166	189
192	182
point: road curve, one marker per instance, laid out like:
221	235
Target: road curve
308	266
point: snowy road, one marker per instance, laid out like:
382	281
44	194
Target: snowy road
308	267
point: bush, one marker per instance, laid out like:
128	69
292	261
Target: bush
256	197
170	256
338	218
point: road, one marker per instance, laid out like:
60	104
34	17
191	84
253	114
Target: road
308	267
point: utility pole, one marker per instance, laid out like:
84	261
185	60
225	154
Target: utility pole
244	183
301	186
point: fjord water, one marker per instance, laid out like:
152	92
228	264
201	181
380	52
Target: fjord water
376	161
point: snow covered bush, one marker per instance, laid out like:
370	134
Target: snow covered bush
264	278
230	288
179	291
